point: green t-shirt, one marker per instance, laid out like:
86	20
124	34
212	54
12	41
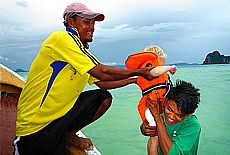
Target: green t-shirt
185	136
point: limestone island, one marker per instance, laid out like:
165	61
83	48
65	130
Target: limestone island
216	58
20	70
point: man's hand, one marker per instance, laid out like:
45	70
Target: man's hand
145	73
155	107
148	130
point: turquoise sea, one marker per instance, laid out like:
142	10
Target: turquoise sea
117	131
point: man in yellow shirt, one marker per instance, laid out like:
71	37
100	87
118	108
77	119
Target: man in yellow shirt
52	106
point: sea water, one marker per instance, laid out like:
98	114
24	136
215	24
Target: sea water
117	131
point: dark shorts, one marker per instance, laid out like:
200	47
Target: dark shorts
51	139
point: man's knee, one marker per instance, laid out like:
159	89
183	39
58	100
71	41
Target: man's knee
106	98
105	94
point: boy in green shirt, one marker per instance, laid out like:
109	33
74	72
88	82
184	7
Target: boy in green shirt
177	128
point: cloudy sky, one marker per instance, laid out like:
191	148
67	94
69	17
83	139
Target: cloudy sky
185	29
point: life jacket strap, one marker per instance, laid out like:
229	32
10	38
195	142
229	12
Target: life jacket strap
166	85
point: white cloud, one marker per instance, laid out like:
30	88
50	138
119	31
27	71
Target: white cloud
125	31
14	62
22	4
3	58
122	26
31	16
187	24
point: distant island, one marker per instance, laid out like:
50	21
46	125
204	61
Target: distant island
20	70
216	58
182	64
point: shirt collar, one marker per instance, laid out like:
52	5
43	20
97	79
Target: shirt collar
75	32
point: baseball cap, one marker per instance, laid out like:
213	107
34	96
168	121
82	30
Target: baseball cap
82	10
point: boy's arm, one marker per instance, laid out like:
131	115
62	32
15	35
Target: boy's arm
159	70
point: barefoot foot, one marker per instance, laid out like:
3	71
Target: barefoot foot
83	143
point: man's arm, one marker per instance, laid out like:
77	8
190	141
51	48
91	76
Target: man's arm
115	84
163	137
164	140
113	73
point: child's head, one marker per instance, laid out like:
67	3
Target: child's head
158	51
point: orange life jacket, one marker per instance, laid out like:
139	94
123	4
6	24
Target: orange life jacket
161	84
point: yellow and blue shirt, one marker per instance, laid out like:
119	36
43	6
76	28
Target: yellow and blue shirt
56	78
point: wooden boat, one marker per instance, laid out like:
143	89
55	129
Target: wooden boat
11	85
11	82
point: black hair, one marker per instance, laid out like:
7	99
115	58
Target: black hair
185	95
72	16
65	23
